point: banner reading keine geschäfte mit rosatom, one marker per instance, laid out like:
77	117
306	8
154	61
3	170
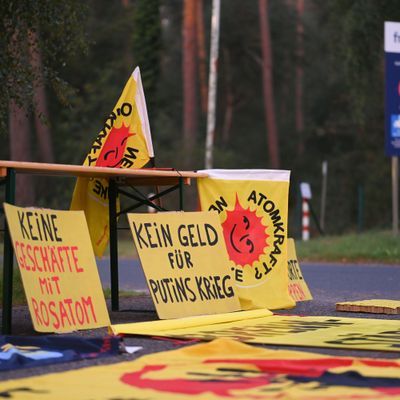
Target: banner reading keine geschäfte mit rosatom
252	207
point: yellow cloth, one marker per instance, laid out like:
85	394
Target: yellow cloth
253	207
292	330
124	142
222	369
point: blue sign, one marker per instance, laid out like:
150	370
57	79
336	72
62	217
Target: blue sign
392	104
392	88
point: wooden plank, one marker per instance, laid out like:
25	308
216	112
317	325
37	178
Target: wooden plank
3	172
374	306
157	176
152	181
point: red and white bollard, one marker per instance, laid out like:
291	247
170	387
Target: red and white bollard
305	220
305	190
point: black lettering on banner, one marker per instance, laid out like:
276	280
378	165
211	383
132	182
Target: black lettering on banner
270	329
197	235
179	259
100	189
126	109
21	220
8	394
91	160
36	226
294	271
219	206
129	156
171	290
269	208
238	275
389	338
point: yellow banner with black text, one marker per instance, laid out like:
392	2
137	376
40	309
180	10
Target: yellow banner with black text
252	206
124	142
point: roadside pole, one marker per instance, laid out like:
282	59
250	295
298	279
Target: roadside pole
395	195
323	193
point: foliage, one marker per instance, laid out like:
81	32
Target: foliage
343	89
59	24
146	42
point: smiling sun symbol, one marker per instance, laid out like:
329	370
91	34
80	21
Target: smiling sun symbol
245	235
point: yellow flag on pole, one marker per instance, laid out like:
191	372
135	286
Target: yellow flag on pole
124	142
253	206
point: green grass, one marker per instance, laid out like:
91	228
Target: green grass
372	246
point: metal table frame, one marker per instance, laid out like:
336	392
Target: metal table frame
175	180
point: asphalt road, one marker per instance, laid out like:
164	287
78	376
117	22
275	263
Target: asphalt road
329	283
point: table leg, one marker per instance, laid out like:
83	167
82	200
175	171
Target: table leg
112	197
8	258
181	185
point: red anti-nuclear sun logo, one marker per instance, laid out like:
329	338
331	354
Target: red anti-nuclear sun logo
230	378
245	235
113	149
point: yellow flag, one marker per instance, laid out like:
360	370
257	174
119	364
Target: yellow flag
124	142
252	206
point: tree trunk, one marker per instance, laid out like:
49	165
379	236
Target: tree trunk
268	90
19	137
42	119
201	54
299	76
189	77
229	102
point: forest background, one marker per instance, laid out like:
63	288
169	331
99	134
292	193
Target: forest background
299	82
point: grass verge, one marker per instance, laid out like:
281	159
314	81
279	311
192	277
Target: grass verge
372	246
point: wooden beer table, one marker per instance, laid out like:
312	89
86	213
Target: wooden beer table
118	177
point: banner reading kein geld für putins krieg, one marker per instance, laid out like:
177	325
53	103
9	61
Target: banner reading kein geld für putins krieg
124	142
253	207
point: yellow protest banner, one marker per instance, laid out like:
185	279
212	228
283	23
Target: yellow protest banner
334	332
124	142
252	207
185	262
222	369
58	269
298	288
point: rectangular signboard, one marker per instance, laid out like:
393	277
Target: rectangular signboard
186	263
392	88
58	269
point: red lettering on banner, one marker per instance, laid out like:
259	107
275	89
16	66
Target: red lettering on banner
296	292
53	312
88	302
63	313
36	311
75	258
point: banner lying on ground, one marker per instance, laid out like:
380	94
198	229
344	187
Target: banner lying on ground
124	142
223	369
58	269
252	206
298	288
37	351
348	333
184	258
